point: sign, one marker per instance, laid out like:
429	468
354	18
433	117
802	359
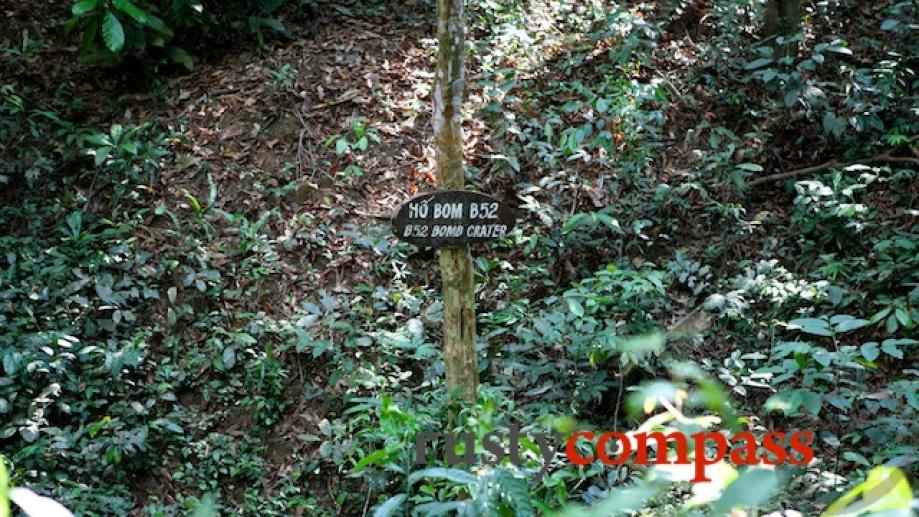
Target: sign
452	218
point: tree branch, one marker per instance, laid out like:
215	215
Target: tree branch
883	157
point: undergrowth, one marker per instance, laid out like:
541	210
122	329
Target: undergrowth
166	340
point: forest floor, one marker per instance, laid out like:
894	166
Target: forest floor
286	315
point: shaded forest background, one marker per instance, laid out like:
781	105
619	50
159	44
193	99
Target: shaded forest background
202	307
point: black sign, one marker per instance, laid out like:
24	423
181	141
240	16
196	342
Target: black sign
452	218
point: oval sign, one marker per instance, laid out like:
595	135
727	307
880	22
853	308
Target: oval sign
452	218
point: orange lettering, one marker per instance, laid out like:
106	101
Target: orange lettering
572	451
701	459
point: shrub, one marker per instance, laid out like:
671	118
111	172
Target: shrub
115	29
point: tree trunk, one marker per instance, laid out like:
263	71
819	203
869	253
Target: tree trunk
455	262
783	18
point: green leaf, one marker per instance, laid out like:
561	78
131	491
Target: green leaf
438	508
454	475
620	501
571	106
229	358
115	132
812	92
341	146
194	203
823	357
648	343
275	24
207	508
390	507
785	348
889	347
245	338
603	104
75	224
112	32
856	458
156	24
904	318
125	6
99	139
575	307
813	326
839	49
812	402
101	154
889	24
610	223
83	6
574	221
90	31
759	63
753	488
181	57
787	402
850	325
106	294
372	458
878	316
71	24
94	428
870	351
838	402
752	167
833	124
892	324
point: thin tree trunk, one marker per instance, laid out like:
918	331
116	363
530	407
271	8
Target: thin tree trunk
455	262
783	18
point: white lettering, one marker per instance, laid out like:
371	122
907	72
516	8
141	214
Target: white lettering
418	210
486	231
447	230
483	211
448	210
415	230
